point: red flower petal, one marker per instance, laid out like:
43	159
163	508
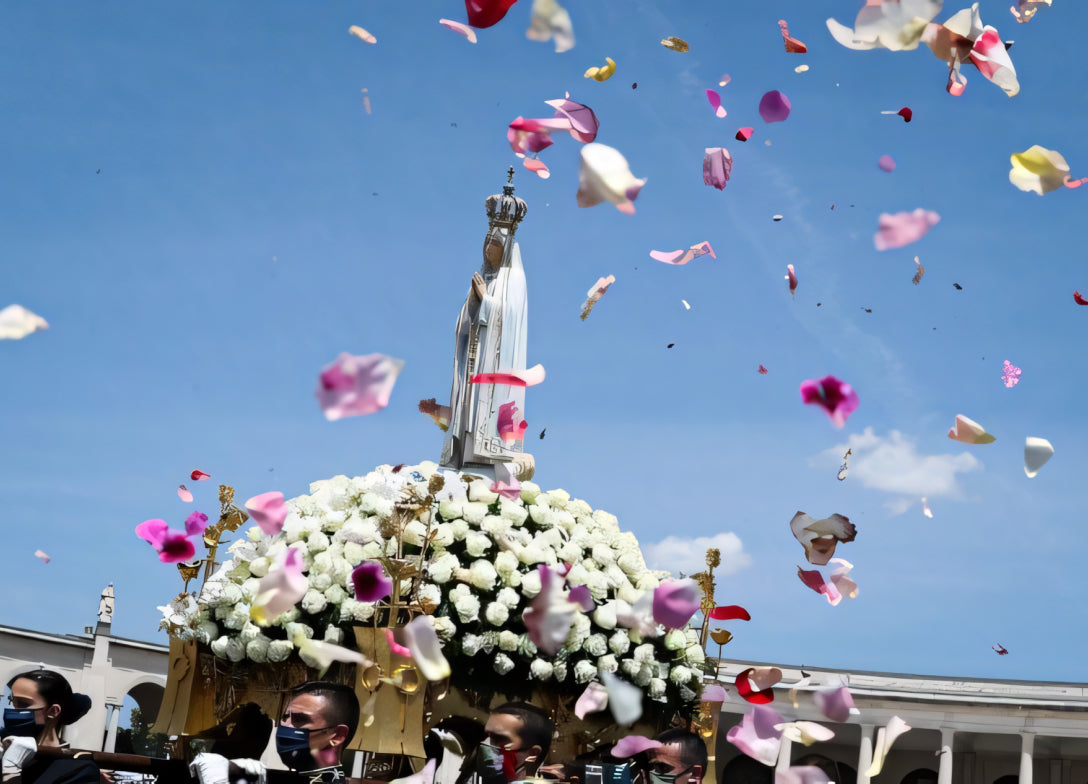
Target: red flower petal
1079	299
485	13
731	612
198	476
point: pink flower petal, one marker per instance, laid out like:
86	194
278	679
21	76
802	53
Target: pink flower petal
551	614
886	163
834	704
176	547
422	642
791	276
593	700
801	774
269	511
843	584
903	228
1010	374
713	692
152	532
680	257
357	385
512	378
638	616
198	476
583	121
717	166
836	397
370	582
763	371
630	745
744	134
605	175
457	27
756	735
774	107
716	103
814	580
538	166
507	488
195	523
580	595
281	588
394	647
184	494
756	684
624	699
41	554
793	46
675	601
511	427
596	291
486	13
730	612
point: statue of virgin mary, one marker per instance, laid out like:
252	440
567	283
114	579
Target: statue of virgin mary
491	337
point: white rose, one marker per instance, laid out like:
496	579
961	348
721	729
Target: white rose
475	512
579	632
471	644
584	672
680	674
605	616
249	632
541	670
508	641
257	649
317	542
630	668
569	552
482	575
534	554
628	593
560	667
477	543
445	628
595	645
657	688
530	584
509	597
320	582
258	567
480	490
598	586
430	596
496	613
607	663
237	617
335	595
206	631
619	643
372	550
354	553
414	533
695	654
495	526
558	498
513	511
278	650
506	564
460	529
644	654
441	568
644	676
443	535
314	602
675	640
468	608
451	510
295	629
579	508
529	491
503	663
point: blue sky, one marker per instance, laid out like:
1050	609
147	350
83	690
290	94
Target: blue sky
197	201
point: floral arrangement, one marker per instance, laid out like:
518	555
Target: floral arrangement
465	555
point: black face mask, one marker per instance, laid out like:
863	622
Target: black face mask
20	723
293	746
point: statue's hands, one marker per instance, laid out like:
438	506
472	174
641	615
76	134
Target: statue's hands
479	288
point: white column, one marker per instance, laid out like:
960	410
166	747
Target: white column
865	753
944	772
1027	744
111	733
357	765
784	756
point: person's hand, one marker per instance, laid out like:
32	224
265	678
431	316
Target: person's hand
105	777
479	288
249	769
210	768
17	752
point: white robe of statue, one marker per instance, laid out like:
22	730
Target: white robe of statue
497	324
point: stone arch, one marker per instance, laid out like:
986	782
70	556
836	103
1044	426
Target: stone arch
920	776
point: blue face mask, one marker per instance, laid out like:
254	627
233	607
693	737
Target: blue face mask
293	746
20	723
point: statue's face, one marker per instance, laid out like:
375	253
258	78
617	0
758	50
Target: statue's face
493	251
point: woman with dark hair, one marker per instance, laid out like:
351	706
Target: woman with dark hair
42	703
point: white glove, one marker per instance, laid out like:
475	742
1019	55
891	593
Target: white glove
253	770
17	752
210	769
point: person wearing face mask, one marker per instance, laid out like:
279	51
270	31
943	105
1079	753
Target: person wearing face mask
517	737
42	704
680	759
316	726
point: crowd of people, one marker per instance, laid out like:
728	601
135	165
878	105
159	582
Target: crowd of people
318	724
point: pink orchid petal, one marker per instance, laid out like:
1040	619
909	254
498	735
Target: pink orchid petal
583	121
793	46
630	745
843	584
395	647
198	476
422	641
675	601
639	616
755	684
886	163
969	431
814	580
268	510
184	494
486	13
756	735
834	704
538	166
176	547
713	692
717	167
837	398
42	554
507	488
195	523
774	107
791	276
744	134
513	378
716	102
510	426
680	257
281	588
357	385
732	612
457	27
152	532
903	228
551	614
370	582
801	774
580	595
624	699
596	291
593	700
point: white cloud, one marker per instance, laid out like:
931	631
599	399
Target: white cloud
893	465
675	554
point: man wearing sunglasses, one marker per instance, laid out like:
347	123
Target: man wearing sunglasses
680	759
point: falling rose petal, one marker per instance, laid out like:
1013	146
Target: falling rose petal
551	614
774	107
630	745
1000	650
152	532
176	547
680	257
806	733
1038	169
268	510
800	69
1037	451
684	302
624	699
549	20
835	704
732	612
1010	374
41	554
814	580
886	163
580	595
601	73
724	80
903	228
593	700
538	167
918	272
395	647
16	322
184	494
357	385
906	114
885	737
969	431
675	601
793	46
964	39
596	291
887	24
791	274
199	476
195	523
801	774
755	684
512	378
756	735
1024	10
1071	183
580	120
320	655
457	27
840	579
280	589
819	537
508	488
486	13
762	370
713	692
511	427
1079	299
717	166
926	510
639	616
716	103
604	175
362	34
837	398
676	44
370	582
744	134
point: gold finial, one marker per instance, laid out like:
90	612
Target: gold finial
510	175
